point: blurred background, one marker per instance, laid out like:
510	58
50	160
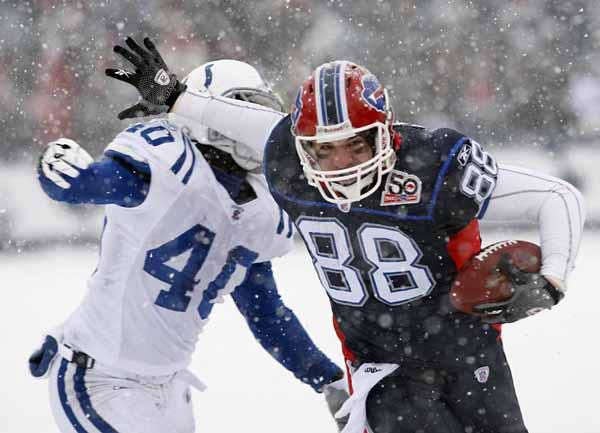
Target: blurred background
520	76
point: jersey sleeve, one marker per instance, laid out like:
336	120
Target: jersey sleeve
283	240
279	331
275	164
466	179
111	180
126	146
159	143
274	228
277	237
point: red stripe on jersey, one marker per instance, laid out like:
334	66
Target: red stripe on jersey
464	245
498	328
348	355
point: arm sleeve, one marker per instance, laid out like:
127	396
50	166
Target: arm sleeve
241	121
557	207
279	331
115	179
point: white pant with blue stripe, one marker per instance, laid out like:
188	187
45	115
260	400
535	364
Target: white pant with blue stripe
102	400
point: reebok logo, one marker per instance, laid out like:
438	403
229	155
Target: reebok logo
372	370
464	154
123	72
162	77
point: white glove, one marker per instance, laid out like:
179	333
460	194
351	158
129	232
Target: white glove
64	157
364	378
336	393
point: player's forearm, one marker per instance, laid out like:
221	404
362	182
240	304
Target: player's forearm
103	182
285	339
279	331
557	207
241	121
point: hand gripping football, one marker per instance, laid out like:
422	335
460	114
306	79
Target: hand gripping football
480	281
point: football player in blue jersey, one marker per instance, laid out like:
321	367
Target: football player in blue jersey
389	213
186	223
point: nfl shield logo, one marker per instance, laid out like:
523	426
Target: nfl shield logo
482	374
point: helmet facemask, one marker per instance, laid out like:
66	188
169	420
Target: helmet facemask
265	96
351	184
338	101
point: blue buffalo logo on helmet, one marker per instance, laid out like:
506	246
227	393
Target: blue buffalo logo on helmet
373	92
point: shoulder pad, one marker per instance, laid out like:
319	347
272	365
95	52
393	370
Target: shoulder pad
399	125
154	139
447	135
408	129
412	134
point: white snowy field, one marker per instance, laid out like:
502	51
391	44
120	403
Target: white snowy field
555	357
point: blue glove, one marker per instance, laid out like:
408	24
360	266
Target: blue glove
40	361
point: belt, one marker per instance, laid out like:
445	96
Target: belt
81	359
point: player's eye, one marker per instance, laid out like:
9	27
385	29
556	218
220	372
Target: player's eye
358	146
323	151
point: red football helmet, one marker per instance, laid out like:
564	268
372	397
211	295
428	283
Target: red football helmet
338	101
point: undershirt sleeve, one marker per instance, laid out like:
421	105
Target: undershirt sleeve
241	121
557	207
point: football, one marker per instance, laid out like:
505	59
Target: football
480	282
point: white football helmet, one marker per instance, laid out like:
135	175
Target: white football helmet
237	80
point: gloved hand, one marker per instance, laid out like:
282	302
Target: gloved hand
532	294
62	159
40	361
158	88
336	393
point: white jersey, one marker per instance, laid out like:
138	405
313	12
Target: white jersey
164	263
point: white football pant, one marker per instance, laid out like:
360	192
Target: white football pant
103	400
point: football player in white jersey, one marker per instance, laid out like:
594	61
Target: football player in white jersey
186	223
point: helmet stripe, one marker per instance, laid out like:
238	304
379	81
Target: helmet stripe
208	75
340	92
330	100
319	96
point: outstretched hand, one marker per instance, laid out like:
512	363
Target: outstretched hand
158	87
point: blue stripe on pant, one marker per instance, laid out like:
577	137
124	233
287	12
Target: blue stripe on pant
83	399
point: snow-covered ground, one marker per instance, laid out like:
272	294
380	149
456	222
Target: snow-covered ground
554	356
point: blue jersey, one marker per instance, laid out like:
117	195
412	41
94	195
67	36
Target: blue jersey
387	264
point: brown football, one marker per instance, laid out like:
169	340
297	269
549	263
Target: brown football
480	282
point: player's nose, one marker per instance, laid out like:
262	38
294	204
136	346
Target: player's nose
342	158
